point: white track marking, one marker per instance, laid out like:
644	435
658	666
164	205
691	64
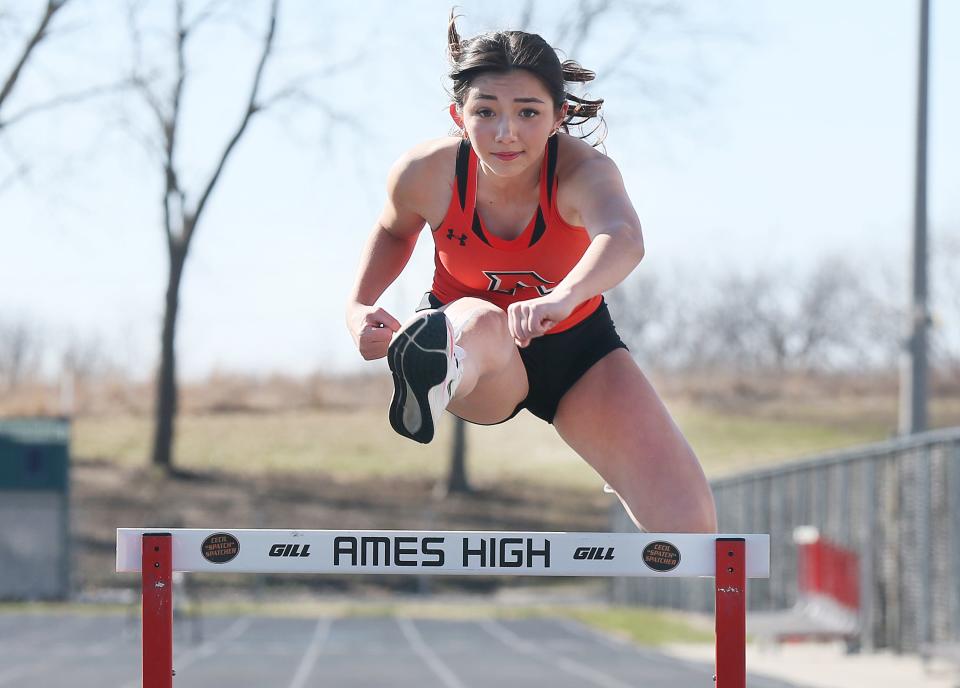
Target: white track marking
623	645
539	652
53	659
50	661
436	665
204	650
611	641
320	634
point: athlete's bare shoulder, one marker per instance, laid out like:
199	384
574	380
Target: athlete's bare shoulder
421	179
579	167
429	154
574	154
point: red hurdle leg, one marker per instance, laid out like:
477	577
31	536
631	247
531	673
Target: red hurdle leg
157	582
731	581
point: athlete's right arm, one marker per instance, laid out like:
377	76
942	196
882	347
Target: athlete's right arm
384	256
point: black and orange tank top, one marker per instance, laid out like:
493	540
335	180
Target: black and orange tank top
472	261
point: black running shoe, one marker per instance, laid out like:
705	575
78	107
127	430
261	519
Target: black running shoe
426	371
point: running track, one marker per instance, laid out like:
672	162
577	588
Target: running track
50	651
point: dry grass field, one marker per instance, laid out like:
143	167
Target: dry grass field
317	453
340	427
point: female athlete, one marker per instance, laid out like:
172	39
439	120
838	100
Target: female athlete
531	225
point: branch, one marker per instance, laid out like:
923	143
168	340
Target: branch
588	16
141	84
169	125
17	173
526	16
136	35
20	164
581	24
341	117
149	144
294	90
203	15
166	123
252	108
141	81
53	6
60	101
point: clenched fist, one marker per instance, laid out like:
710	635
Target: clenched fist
372	329
535	317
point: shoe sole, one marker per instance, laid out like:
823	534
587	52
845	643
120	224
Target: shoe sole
418	360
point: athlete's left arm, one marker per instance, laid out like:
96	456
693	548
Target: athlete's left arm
595	190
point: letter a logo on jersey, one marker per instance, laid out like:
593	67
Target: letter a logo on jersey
509	281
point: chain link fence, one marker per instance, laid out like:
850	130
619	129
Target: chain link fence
897	504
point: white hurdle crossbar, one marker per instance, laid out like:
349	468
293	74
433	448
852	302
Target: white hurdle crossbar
157	553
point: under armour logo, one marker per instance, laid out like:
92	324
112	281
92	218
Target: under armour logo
462	238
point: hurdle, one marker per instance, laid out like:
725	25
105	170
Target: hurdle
156	553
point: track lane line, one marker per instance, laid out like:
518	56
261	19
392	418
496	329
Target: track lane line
309	659
437	665
514	642
8	675
206	649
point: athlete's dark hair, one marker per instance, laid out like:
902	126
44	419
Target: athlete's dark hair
499	52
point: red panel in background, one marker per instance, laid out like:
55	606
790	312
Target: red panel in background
829	570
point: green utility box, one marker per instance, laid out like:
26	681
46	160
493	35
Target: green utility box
34	508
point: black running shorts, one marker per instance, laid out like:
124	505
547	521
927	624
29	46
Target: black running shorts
554	362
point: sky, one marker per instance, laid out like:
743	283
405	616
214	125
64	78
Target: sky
749	134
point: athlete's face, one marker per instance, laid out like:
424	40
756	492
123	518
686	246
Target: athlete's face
508	118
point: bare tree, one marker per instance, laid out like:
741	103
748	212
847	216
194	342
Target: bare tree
32	42
642	307
85	358
39	33
829	318
458	480
21	350
742	317
834	317
181	215
14	111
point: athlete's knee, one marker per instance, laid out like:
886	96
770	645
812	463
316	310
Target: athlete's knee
487	321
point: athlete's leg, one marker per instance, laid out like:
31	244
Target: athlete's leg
493	380
613	418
